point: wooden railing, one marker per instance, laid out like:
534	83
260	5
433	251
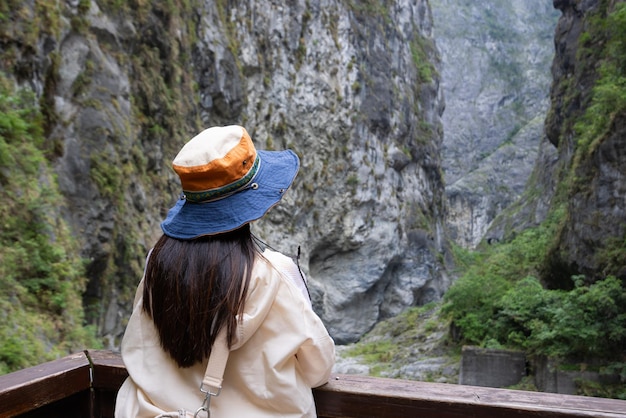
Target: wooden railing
84	385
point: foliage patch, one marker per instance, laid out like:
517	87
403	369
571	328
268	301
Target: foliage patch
41	274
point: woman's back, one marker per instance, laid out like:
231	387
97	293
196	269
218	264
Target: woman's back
281	351
205	278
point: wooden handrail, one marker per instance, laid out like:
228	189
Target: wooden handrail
364	396
35	387
85	384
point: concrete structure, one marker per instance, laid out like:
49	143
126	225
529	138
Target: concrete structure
491	368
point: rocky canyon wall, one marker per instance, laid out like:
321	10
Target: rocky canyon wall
496	57
577	184
352	87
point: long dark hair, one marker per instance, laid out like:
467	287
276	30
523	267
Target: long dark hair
193	288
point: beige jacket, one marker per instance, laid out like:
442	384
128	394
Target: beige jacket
282	350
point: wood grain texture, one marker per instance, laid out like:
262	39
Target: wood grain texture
363	396
35	387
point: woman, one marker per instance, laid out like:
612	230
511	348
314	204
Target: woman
218	326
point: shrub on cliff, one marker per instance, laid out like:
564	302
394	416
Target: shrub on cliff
41	274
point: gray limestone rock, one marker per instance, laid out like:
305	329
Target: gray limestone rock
496	57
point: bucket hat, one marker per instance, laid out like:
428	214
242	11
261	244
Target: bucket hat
226	182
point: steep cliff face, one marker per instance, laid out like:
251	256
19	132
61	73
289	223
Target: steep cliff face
582	187
121	102
496	58
589	74
352	87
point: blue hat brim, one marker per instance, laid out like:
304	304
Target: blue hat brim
188	220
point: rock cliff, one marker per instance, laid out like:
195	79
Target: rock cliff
352	87
496	57
578	181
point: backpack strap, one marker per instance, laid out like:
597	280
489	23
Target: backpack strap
214	375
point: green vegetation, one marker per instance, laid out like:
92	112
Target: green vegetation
583	326
352	181
379	354
41	274
580	325
609	94
421	49
223	10
371	8
501	299
42	277
498	302
163	96
391	344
